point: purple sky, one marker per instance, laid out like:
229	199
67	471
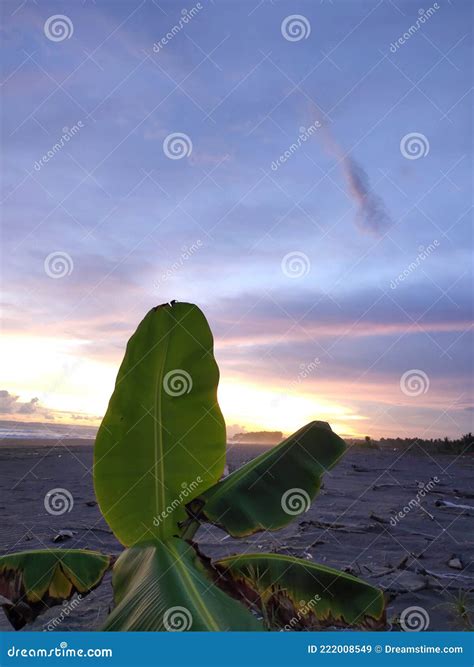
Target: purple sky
318	207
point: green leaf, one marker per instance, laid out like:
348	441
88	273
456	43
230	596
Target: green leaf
269	491
296	594
167	586
32	581
162	440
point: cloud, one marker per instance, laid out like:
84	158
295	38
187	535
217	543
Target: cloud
372	215
371	212
10	404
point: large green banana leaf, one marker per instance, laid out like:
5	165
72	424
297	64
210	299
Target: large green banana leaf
162	440
166	586
267	492
32	581
295	594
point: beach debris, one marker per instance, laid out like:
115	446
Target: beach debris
428	514
93	529
64	535
425	536
316	543
455	506
463	494
401	565
455	562
404	582
388	485
342	527
457	581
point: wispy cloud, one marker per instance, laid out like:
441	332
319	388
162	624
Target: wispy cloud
371	215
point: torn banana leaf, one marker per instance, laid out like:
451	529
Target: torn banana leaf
32	581
167	586
267	492
295	594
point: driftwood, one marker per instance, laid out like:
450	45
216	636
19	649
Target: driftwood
358	468
401	566
430	516
92	529
380	519
341	527
417	534
463	494
445	575
454	506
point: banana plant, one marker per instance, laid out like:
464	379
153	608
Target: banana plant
158	462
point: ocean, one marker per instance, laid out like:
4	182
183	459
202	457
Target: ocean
44	431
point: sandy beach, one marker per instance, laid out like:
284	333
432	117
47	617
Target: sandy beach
424	558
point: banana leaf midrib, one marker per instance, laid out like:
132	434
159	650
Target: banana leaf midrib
287	559
158	431
193	592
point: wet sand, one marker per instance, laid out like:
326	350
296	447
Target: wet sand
348	525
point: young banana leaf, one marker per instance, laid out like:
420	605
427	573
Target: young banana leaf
167	586
294	594
32	581
267	492
162	440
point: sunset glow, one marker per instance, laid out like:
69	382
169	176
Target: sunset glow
316	209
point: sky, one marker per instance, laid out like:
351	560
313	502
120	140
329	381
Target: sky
300	170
